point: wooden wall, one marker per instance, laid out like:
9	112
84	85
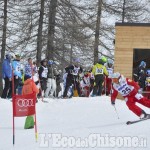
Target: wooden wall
128	37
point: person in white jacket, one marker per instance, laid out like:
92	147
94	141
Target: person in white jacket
51	81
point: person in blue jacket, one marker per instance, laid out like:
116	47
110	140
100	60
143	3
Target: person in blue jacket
16	72
7	76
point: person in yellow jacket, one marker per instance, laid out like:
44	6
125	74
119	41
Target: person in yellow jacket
99	71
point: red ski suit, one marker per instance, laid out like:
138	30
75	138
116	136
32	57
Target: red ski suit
129	90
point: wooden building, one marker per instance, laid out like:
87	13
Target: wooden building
132	45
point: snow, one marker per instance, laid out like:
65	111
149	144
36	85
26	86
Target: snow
78	119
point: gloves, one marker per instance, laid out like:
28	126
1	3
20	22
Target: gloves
113	103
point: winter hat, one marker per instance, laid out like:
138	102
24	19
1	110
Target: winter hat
50	62
110	61
27	77
17	56
44	60
8	56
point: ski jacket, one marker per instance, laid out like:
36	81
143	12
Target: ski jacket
99	69
110	70
126	87
74	70
6	69
29	70
29	87
85	81
43	71
16	68
51	72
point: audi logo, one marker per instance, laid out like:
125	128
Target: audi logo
25	102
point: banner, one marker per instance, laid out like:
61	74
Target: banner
24	105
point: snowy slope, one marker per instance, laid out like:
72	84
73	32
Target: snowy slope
82	122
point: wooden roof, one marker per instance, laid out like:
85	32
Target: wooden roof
132	24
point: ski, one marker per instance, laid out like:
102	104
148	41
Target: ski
136	121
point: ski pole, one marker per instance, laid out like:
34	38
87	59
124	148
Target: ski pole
116	112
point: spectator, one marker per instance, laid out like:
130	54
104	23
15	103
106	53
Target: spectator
51	82
91	80
43	71
73	77
85	84
108	81
58	82
29	69
7	76
141	73
21	83
17	72
99	70
29	87
70	89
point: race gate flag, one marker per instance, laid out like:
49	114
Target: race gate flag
24	105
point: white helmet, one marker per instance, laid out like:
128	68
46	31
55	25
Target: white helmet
115	75
110	61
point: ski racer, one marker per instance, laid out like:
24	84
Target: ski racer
85	84
129	90
110	70
73	77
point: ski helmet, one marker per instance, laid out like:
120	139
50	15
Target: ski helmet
102	60
115	75
110	61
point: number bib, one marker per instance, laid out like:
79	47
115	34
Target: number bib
76	70
16	66
87	80
99	71
124	89
44	73
17	69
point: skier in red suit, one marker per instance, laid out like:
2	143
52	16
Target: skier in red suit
129	90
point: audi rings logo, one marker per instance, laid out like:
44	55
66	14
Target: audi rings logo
25	102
